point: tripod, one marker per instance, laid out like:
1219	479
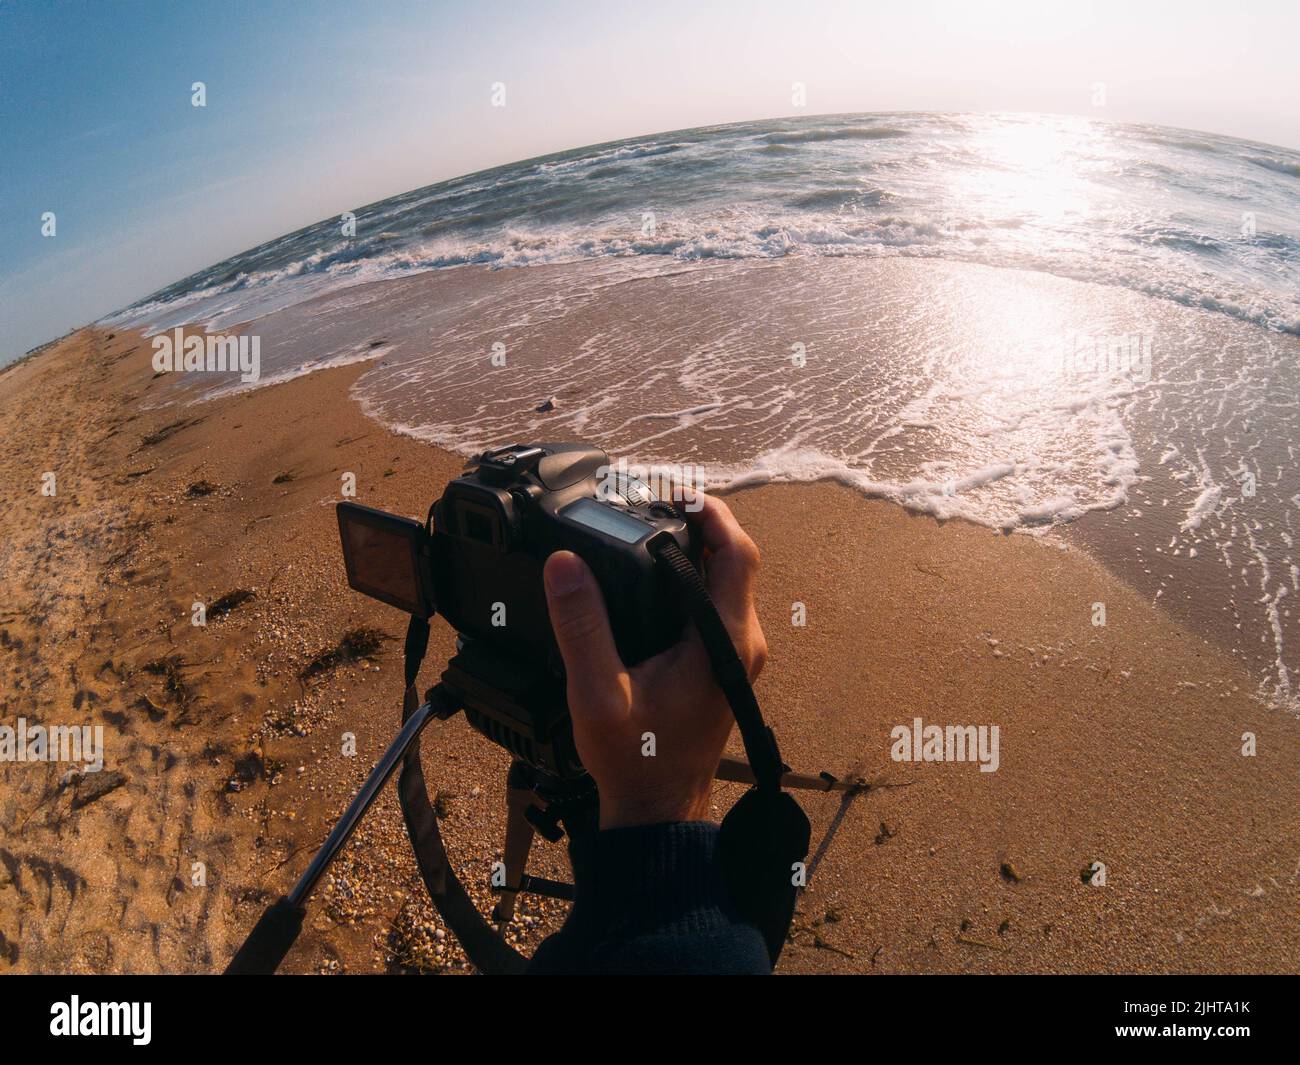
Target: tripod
522	708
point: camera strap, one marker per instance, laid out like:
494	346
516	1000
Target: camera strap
760	741
765	836
489	952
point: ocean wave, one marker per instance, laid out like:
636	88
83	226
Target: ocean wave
970	188
1173	139
819	136
839	197
620	153
824	234
1278	166
1179	239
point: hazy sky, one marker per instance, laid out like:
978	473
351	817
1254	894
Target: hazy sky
313	109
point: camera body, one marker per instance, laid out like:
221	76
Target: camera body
479	564
494	529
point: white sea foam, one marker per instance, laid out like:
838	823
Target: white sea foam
1202	507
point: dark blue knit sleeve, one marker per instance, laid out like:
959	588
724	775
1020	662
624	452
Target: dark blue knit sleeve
650	900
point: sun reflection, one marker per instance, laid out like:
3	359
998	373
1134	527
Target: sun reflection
1013	344
1031	173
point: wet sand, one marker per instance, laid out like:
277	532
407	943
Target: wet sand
1119	744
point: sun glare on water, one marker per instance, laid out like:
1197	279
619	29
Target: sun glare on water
1030	173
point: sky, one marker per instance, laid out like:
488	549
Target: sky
315	109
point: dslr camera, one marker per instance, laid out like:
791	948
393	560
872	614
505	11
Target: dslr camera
477	560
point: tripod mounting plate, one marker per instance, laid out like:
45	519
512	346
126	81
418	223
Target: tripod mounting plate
516	704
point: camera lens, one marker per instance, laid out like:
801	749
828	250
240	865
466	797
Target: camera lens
631	490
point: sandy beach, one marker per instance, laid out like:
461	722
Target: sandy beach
225	763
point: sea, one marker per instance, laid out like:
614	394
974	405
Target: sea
1045	325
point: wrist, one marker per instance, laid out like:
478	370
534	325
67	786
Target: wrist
646	807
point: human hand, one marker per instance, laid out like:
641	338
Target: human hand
673	695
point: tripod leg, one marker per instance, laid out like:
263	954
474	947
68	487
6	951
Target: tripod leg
370	790
737	770
519	840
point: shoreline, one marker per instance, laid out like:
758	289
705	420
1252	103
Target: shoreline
1119	744
946	388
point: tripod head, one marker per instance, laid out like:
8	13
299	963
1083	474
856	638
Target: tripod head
516	704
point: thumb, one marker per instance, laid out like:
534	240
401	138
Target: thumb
582	631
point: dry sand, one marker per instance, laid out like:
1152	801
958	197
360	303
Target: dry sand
1119	745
